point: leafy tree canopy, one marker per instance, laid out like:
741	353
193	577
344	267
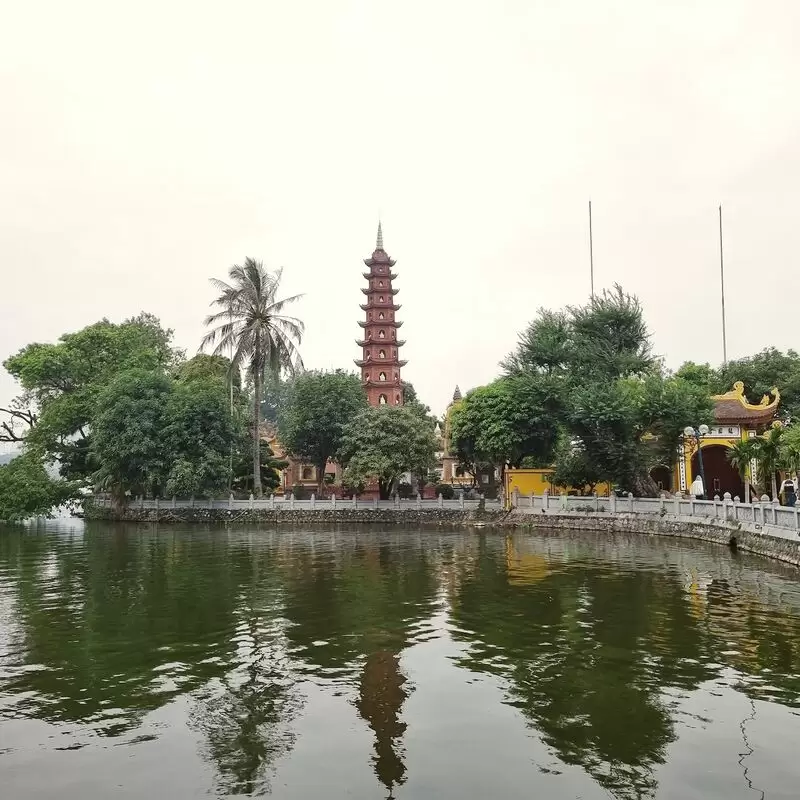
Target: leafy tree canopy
317	409
61	382
155	434
383	443
26	490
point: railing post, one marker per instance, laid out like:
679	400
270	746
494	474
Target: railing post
596	501
333	500
375	503
530	500
419	502
396	501
796	517
210	502
191	502
736	504
272	502
355	500
515	498
676	502
661	508
440	500
691	504
764	500
174	502
156	503
716	506
250	501
461	499
775	506
630	502
545	499
726	504
291	501
612	501
230	501
313	500
141	501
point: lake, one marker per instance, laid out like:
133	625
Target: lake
373	663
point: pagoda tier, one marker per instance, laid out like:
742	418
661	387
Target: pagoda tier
380	362
368	275
368	307
381	343
382	289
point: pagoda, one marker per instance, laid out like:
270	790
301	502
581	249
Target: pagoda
380	363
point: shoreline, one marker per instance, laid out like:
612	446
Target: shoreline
766	541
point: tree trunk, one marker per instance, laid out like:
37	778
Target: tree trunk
321	478
774	485
384	488
257	488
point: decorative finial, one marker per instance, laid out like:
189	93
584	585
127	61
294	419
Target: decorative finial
456	394
379	241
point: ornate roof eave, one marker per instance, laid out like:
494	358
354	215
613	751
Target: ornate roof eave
392	383
385	290
371	262
368	307
380	323
369	275
733	406
384	342
379	362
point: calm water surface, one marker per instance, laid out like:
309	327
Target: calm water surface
185	663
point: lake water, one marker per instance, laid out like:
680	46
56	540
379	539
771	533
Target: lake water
372	663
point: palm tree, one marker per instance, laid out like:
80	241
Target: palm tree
740	455
770	454
252	327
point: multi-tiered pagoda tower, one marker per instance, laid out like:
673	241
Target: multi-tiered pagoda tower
380	364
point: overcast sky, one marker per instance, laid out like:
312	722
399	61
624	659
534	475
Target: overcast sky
145	147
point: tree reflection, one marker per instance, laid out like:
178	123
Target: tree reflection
354	608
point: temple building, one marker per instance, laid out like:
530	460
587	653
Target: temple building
380	362
735	419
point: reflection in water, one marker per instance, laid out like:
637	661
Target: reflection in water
380	699
129	636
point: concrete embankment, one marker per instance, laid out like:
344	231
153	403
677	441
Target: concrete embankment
773	542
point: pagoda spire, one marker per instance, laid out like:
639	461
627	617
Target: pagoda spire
379	240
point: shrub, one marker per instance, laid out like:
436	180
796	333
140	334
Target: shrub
445	490
405	490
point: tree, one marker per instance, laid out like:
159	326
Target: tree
573	469
252	327
770	453
204	367
26	490
318	407
383	443
740	455
61	383
505	422
154	435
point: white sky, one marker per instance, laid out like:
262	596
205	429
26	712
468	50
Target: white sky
145	147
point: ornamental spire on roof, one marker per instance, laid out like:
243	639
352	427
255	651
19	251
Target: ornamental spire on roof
379	240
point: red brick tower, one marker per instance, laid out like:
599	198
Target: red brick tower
380	365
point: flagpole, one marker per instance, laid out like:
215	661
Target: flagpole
722	291
591	252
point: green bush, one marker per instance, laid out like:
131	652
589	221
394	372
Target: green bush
405	490
445	490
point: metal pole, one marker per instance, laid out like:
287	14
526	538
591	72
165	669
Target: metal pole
591	252
700	462
722	288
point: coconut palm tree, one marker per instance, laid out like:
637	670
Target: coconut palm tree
740	455
770	454
251	327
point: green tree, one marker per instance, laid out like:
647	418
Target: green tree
505	422
26	490
61	383
154	434
252	327
318	407
770	454
383	443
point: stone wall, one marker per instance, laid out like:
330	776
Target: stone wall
281	516
740	536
